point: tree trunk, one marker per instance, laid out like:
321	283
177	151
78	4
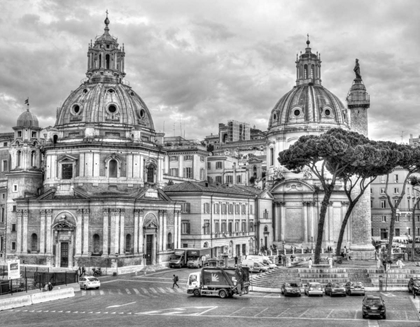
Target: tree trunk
343	227
413	217
324	205
391	232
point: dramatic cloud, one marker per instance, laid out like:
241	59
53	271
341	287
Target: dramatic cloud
197	63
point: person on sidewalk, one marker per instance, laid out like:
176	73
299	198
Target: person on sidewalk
400	264
310	263
175	280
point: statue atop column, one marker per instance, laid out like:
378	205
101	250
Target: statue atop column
357	70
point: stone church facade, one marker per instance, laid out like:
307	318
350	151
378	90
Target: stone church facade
87	192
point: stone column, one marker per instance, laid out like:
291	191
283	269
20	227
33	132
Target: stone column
114	232
282	220
79	231
25	231
57	250
141	217
122	232
160	214
105	232
49	235
305	221
19	231
179	229
86	213
141	167
176	230
71	243
164	230
42	232
136	231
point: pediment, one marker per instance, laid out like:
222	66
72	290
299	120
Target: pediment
67	157
293	186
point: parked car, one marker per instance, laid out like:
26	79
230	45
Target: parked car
254	266
373	305
291	288
355	288
314	289
414	284
335	289
87	282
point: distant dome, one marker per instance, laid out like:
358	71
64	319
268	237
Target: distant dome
306	104
27	120
100	103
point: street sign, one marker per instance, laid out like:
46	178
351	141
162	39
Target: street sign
13	269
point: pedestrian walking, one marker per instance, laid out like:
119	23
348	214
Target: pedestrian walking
330	262
400	264
83	271
175	280
236	260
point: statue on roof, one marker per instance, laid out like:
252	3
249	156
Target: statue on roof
357	70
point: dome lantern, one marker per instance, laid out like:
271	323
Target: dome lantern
308	67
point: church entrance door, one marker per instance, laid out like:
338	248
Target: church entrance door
64	254
149	249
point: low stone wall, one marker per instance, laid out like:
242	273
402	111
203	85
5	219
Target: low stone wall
11	302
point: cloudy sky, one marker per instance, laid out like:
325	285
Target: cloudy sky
197	63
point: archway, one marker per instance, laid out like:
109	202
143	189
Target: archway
150	232
64	228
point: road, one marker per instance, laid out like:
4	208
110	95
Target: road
150	300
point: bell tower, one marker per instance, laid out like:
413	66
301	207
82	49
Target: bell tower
105	58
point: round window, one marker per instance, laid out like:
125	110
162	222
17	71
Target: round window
112	109
142	113
297	112
327	112
85	91
111	91
76	108
275	117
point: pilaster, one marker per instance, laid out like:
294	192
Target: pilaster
86	213
122	232
105	214
42	232
19	231
49	235
79	227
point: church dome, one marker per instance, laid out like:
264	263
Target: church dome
27	120
308	103
98	103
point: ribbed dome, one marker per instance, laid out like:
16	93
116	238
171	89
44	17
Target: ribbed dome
27	119
98	103
306	104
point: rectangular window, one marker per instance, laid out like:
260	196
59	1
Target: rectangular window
265	214
185	207
418	231
384	233
238	179
33	134
383	204
271	156
4	143
218	179
19	134
409	204
13	227
397	232
185	227
173	158
397	218
223	208
218	165
244	209
184	245
230	227
2	214
229	179
188	172
409	231
201	158
15	188
251	226
395	202
384	219
188	158
217	227
13	245
396	190
382	190
14	208
396	178
223	226
244	226
206	227
173	172
251	210
418	218
4	165
237	209
230	209
209	165
236	226
1	244
206	207
66	171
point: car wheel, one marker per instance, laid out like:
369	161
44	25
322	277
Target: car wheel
300	295
85	288
97	288
196	293
222	294
364	316
384	317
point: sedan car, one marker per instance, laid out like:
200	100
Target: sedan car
335	289
87	282
373	305
314	289
355	288
414	285
291	288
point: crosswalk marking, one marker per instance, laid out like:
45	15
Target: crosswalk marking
92	292
153	290
170	290
119	292
101	292
136	291
144	290
161	289
180	290
128	291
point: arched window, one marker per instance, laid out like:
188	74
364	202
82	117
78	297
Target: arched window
96	244
305	71
312	71
150	174
205	245
128	243
100	61
113	168
107	61
265	229
33	156
169	244
34	242
18	158
55	138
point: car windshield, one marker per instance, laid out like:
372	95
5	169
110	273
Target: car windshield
338	285
315	285
93	279
175	257
293	285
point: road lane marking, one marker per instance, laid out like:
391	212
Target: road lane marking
205	311
260	312
120	305
128	291
330	313
180	290
145	290
110	281
83	293
237	311
355	314
101	292
373	323
301	315
162	290
153	290
119	292
283	312
92	293
170	290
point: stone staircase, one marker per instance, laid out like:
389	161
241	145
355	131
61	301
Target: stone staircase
275	278
396	277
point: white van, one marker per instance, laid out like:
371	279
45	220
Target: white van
262	259
254	266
